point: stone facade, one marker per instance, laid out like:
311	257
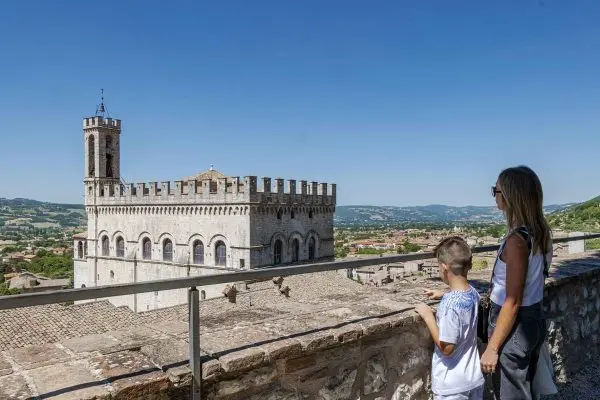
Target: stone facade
205	224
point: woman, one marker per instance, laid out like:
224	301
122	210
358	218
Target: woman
516	327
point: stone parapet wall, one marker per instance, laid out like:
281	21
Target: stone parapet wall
379	359
233	190
373	347
572	309
390	357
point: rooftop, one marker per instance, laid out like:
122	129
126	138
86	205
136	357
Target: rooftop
211	173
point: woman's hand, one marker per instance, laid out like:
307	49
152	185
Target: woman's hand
489	360
433	294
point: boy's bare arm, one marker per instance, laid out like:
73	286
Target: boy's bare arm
433	294
427	314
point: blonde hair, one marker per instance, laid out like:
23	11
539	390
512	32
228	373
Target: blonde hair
523	198
455	253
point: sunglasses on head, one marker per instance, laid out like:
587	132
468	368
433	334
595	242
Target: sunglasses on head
495	191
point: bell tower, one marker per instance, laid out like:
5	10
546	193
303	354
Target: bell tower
102	136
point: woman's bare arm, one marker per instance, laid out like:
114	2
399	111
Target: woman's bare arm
515	255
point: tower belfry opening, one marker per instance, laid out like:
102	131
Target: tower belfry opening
102	136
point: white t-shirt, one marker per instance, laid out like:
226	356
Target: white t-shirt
457	321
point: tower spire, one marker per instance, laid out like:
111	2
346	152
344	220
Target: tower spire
101	109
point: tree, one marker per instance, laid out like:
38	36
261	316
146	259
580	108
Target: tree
408	247
5	291
340	252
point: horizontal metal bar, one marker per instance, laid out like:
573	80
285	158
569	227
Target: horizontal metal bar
576	238
99	292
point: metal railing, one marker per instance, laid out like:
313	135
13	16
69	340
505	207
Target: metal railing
191	283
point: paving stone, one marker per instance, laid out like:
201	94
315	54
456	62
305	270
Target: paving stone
132	375
167	352
237	338
210	369
14	387
174	328
137	336
242	360
87	344
38	356
69	381
181	375
284	348
5	367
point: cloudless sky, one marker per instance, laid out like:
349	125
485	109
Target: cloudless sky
398	102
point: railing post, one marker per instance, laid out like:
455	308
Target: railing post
576	247
194	342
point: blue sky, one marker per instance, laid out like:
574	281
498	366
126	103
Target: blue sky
398	102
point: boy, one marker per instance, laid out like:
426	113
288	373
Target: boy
455	369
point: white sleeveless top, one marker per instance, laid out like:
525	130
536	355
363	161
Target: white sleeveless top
533	291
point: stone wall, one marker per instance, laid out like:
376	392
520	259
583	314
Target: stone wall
572	307
366	344
390	357
249	238
384	359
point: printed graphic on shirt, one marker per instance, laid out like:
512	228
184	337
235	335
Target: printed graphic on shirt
457	323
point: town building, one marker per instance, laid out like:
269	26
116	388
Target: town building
28	282
203	224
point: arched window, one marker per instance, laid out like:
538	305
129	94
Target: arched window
198	252
80	249
311	248
83	285
109	157
112	275
220	253
167	250
91	157
202	295
292	214
279	214
85	249
295	250
277	250
120	247
310	214
146	249
105	246
109	169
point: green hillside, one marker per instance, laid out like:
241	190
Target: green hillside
583	217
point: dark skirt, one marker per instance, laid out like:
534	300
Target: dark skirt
519	354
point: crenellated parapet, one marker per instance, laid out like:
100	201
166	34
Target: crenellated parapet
214	191
101	122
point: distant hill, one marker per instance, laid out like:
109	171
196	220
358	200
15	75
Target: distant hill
434	214
583	217
19	214
39	214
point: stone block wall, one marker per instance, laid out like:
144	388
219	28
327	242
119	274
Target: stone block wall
374	347
390	357
572	307
387	358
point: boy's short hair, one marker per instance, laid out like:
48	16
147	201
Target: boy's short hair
455	253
